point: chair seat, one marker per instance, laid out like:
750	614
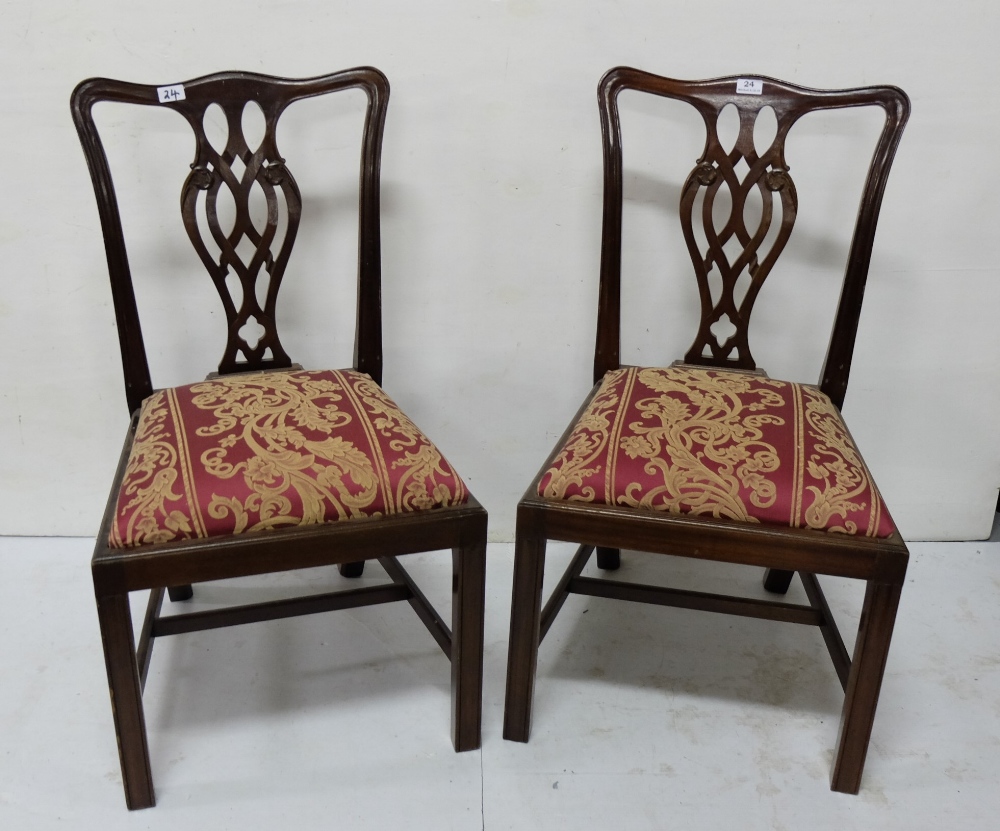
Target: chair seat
265	451
718	443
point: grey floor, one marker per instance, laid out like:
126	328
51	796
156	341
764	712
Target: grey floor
644	717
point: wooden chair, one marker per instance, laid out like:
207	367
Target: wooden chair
265	467
710	458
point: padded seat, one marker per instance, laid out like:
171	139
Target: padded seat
264	451
265	468
726	444
709	458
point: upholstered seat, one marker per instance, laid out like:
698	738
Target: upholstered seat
264	451
730	445
264	467
710	458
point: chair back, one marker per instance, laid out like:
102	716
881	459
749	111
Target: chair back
255	249
739	256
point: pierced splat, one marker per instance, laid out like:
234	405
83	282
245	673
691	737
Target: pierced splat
240	174
739	250
241	208
745	203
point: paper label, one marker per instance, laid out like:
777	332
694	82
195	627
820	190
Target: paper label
168	95
749	86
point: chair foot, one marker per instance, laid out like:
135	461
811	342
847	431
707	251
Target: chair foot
178	593
870	653
126	699
610	559
352	569
525	622
778	581
467	613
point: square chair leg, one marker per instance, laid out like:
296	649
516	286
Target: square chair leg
878	615
525	628
126	699
467	604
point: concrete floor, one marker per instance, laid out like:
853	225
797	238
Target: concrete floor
644	717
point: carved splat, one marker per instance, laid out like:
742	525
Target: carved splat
736	252
241	208
739	240
238	174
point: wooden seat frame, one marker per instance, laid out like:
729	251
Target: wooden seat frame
881	563
347	543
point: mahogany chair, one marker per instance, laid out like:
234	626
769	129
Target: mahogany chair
709	458
264	467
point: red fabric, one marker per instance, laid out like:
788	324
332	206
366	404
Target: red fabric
265	451
725	444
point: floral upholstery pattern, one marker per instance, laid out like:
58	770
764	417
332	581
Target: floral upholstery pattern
718	443
264	451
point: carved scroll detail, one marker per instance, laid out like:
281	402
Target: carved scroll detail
706	174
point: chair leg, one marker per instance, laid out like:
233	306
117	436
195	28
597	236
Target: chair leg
870	653
126	699
778	581
178	593
525	619
352	569
610	559
467	613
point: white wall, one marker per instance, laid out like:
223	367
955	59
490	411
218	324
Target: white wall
491	188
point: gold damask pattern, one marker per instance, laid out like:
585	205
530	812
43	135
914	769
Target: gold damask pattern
715	443
263	451
843	483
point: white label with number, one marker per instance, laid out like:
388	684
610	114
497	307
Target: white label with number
169	95
750	86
